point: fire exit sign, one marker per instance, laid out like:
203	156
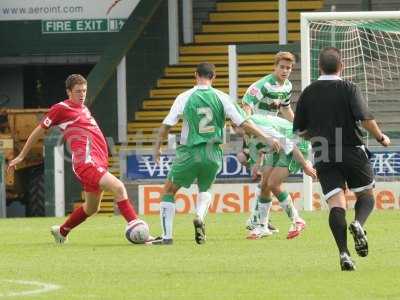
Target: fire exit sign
82	26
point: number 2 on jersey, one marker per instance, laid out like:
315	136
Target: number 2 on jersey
204	126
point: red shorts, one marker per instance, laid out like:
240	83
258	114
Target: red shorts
89	175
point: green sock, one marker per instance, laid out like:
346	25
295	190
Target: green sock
168	198
264	199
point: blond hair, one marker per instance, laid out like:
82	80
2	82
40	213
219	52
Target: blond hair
281	55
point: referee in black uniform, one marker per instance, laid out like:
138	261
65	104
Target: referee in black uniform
329	112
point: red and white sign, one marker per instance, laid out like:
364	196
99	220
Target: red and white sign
239	197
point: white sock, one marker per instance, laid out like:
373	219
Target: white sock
202	205
257	191
264	209
167	213
288	207
255	214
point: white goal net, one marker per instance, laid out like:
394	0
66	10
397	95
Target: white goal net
370	46
369	42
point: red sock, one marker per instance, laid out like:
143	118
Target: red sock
76	218
127	210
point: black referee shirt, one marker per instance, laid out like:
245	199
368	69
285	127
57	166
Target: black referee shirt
328	105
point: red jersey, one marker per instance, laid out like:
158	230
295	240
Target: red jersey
81	133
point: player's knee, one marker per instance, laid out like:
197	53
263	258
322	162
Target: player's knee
337	200
366	194
276	190
273	185
242	158
94	211
265	189
119	189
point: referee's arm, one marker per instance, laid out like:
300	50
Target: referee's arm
374	130
300	121
361	113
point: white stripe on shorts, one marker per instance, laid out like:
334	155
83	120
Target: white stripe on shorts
331	193
362	188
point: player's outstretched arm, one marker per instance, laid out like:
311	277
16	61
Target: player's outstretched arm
375	131
255	171
162	134
249	128
306	165
32	139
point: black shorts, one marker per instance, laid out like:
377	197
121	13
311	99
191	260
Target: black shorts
353	169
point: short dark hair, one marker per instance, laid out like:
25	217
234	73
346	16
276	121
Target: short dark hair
330	60
205	70
73	80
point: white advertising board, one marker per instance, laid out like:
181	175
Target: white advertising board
15	10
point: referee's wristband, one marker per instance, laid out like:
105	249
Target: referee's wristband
381	139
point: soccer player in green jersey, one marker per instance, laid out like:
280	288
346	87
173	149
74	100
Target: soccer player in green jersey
275	168
272	93
268	96
199	155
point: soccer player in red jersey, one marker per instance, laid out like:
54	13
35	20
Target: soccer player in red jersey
89	156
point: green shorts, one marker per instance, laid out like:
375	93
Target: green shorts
283	160
201	162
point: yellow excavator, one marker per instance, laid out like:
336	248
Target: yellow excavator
26	182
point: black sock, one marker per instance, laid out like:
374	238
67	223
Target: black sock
338	225
364	206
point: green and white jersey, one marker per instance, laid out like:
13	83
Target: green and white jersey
278	128
266	95
203	110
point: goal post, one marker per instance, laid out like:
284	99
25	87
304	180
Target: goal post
370	47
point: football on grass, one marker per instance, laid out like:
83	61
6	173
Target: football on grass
137	232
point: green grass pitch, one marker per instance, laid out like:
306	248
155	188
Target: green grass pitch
98	263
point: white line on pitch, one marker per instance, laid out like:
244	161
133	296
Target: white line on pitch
42	288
